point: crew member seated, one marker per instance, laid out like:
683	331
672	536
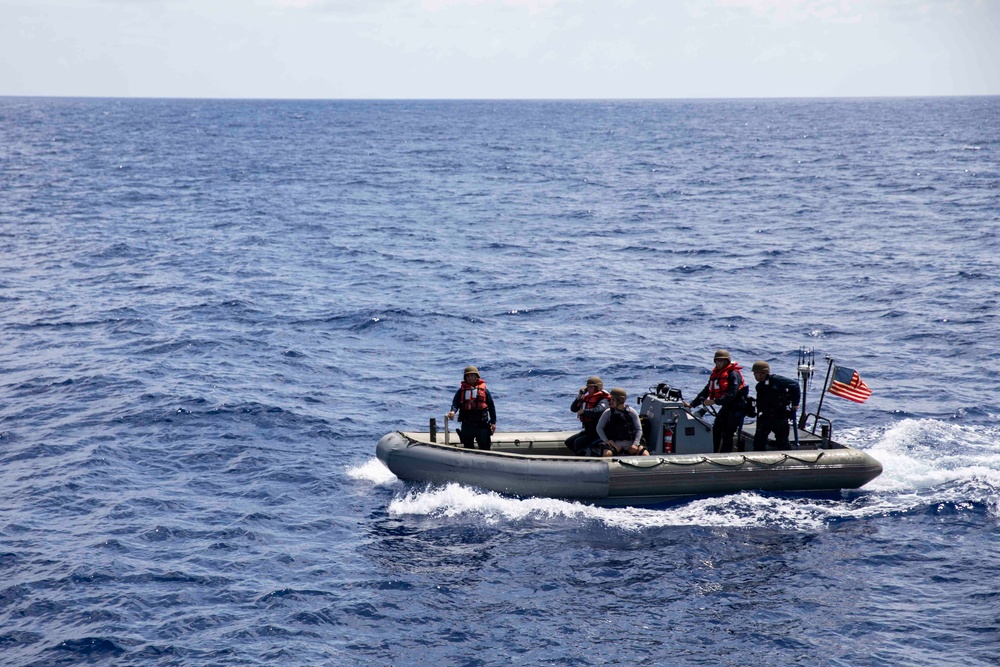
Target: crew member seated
619	428
590	403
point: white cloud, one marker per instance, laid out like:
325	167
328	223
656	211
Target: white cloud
847	11
533	6
611	54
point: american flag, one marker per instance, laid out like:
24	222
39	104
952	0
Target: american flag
848	384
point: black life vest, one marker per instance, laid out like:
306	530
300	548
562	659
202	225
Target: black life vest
620	426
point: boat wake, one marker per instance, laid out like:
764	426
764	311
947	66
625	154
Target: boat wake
929	465
745	509
930	462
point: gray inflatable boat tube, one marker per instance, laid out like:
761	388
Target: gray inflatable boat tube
628	480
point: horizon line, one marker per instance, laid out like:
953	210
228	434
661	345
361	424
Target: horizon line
496	99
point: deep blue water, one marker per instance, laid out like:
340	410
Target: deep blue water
212	310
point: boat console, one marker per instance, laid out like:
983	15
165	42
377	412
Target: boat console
669	427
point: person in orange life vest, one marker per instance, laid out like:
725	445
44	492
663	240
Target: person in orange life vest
726	389
476	411
589	404
619	428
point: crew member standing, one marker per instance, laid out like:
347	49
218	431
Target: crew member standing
777	403
475	410
726	389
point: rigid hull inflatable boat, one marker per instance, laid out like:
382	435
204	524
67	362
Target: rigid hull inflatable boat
682	461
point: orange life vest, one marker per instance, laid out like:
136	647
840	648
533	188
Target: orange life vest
718	383
474	395
591	400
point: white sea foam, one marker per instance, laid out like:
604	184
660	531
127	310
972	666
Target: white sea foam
929	461
373	471
928	455
740	510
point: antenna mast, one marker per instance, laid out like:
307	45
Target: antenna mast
807	362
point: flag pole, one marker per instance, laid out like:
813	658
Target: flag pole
822	394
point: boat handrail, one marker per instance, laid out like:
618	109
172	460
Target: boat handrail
827	433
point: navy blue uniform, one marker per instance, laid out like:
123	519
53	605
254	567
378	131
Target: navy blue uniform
776	398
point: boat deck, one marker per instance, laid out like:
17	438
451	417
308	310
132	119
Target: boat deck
807	440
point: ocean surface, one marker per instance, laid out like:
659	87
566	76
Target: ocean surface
210	312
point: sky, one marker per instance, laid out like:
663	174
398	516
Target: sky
499	49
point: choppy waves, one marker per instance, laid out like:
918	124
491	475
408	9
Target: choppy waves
213	310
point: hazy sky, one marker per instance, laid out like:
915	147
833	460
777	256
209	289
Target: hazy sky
499	48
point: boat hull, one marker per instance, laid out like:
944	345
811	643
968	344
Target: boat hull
526	464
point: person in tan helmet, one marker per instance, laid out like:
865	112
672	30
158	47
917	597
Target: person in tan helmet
777	403
476	411
590	403
726	389
619	428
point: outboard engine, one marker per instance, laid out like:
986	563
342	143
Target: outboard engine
669	427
